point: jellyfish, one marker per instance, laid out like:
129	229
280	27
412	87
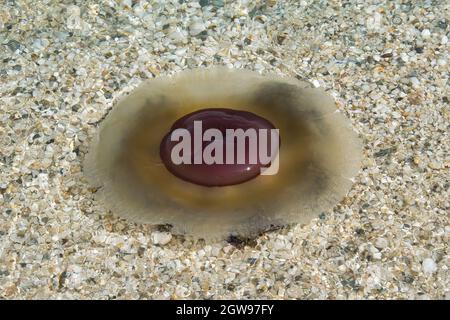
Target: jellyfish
131	157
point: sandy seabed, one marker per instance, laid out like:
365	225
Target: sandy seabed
63	66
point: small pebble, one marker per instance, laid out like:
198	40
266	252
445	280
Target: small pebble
177	36
426	33
381	243
415	82
14	45
218	3
196	28
161	238
429	266
374	22
73	20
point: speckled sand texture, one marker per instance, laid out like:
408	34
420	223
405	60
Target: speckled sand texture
62	66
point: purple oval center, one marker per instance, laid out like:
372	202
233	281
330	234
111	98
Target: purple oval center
216	158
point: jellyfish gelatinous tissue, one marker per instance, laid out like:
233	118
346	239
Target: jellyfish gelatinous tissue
131	159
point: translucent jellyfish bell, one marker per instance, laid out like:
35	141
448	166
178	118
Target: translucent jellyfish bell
319	155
